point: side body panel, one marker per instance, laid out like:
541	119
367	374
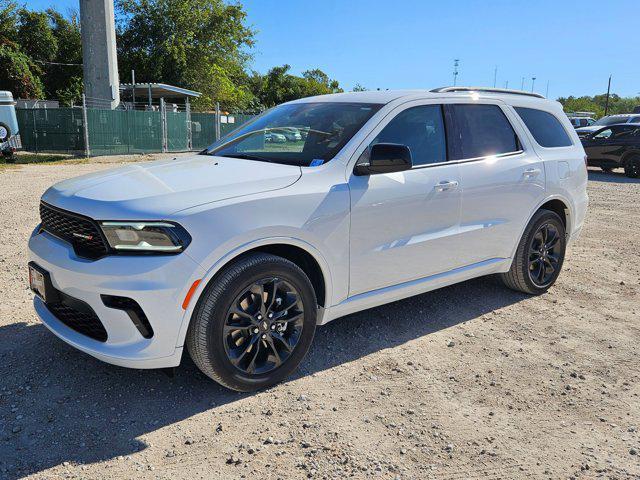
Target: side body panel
498	194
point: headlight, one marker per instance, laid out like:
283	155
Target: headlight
141	237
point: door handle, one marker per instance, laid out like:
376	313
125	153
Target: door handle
446	185
532	172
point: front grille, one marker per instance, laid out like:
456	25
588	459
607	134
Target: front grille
78	316
81	232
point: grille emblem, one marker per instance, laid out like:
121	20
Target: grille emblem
86	237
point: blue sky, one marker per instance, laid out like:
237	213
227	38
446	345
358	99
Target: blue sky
574	45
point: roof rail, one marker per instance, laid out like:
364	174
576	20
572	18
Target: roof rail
485	89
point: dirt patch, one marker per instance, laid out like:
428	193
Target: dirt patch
465	382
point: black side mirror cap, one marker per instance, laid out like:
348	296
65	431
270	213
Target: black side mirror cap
385	158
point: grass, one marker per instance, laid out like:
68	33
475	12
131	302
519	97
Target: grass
25	158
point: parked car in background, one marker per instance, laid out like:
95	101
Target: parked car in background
291	134
273	137
236	254
614	146
8	124
579	122
608	120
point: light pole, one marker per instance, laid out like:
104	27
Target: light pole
533	82
456	62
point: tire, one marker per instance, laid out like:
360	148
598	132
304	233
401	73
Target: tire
632	167
5	132
215	331
521	277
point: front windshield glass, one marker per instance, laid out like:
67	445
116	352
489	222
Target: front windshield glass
604	121
300	134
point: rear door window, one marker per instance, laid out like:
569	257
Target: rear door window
481	131
545	127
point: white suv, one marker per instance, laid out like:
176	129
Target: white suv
240	251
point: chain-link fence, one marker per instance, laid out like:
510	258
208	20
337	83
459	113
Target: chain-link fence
117	132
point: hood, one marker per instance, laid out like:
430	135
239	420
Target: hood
589	129
155	190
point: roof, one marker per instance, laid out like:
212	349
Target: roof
158	90
386	96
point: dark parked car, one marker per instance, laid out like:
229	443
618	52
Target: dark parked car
615	146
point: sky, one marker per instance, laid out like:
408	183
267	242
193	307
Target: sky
573	45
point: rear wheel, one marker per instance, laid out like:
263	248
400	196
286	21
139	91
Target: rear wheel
254	323
632	167
539	256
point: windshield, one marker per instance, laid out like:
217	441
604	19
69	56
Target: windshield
300	134
604	121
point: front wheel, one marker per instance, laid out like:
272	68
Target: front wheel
539	256
254	323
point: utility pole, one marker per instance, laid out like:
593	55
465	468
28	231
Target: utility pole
133	87
522	86
456	63
495	76
546	94
99	56
533	82
606	105
506	84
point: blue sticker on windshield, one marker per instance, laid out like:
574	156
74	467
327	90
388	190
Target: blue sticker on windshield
316	162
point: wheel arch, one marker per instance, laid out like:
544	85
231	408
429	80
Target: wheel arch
628	155
554	203
307	257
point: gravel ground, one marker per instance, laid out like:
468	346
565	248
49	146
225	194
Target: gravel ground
471	381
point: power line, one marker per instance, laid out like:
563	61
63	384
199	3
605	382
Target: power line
58	63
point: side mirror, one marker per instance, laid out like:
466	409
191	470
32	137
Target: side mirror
385	158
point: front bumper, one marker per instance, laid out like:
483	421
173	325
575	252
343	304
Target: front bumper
157	283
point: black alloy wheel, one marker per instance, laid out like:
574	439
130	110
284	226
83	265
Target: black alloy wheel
254	323
632	167
539	256
263	326
544	254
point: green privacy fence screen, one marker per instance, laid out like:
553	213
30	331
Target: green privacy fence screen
53	129
117	132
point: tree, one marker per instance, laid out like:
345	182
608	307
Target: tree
17	73
196	44
359	88
597	104
63	76
279	86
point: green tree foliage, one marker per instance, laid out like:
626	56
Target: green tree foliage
34	45
278	85
597	104
17	73
63	76
197	44
204	45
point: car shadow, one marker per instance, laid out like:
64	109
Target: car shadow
59	405
616	176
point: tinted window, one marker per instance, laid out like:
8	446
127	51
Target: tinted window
545	128
481	131
422	130
606	133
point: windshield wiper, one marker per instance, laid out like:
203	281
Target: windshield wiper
246	156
